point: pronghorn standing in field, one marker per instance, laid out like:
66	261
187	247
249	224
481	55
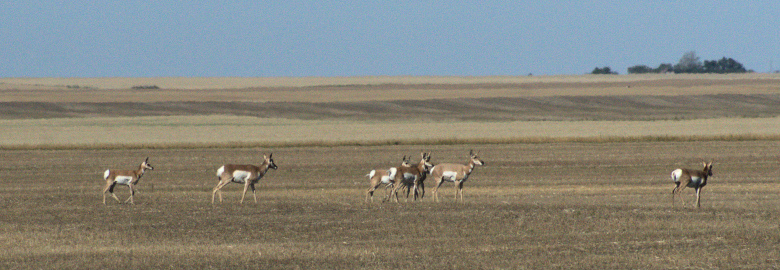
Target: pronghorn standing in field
412	177
124	177
379	177
457	173
245	174
691	178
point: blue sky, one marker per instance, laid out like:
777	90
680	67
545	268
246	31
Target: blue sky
375	38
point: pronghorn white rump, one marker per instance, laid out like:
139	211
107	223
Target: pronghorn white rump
695	179
124	177
245	174
379	177
456	173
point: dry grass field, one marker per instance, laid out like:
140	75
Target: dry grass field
576	176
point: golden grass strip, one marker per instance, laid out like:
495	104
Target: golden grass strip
242	131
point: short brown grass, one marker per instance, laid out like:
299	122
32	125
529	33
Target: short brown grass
541	205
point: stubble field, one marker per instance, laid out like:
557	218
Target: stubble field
552	202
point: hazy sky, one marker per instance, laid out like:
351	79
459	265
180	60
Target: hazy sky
365	38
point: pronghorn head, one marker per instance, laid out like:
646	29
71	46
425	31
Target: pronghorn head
707	168
146	165
406	161
270	161
425	161
475	158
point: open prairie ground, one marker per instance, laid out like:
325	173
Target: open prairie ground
576	176
546	205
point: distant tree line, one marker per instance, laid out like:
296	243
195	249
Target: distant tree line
604	70
689	63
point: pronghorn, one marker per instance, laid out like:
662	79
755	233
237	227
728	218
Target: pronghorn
124	177
248	175
379	177
691	178
411	177
457	173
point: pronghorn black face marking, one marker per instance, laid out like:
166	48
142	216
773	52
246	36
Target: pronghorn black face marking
146	164
270	160
475	158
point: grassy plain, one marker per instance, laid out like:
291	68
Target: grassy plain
548	205
571	192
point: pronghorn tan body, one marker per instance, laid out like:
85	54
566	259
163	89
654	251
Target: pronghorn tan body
379	177
245	174
696	179
124	177
412	177
456	173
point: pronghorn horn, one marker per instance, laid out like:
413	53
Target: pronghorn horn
147	159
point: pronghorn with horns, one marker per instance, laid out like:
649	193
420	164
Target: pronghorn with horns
456	173
245	174
124	177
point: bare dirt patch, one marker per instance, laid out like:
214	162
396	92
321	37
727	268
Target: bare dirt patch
559	108
377	88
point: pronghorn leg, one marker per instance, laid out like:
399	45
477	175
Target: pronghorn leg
422	190
217	189
460	190
246	186
675	191
371	189
253	192
408	189
394	191
132	192
698	197
436	189
109	186
456	190
111	190
387	195
370	194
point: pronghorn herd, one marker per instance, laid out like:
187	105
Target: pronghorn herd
407	175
